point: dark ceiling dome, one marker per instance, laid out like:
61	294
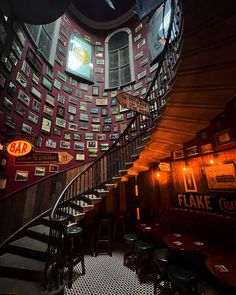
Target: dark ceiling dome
38	11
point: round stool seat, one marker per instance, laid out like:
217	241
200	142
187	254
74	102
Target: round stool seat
161	259
182	275
74	230
130	238
142	246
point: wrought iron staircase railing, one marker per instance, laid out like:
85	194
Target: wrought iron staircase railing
114	162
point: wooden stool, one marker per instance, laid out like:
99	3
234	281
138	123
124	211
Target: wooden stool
143	250
104	236
74	251
161	263
130	255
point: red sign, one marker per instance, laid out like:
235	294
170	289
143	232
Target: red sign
19	148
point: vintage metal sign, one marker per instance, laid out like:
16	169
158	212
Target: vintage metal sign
19	148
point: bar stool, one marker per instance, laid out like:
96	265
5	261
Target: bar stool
130	256
184	279
143	250
161	259
104	236
74	255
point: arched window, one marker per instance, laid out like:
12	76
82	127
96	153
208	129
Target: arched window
119	58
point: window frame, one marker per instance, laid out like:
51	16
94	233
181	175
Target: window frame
131	58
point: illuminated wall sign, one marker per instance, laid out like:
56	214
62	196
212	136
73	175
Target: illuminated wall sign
19	148
164	166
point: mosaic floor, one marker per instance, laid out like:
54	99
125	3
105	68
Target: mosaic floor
106	275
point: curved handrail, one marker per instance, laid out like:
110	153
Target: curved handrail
108	166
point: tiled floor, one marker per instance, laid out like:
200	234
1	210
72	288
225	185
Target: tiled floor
106	275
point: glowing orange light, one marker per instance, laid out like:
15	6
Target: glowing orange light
19	148
211	162
158	175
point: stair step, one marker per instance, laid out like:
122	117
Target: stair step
11	286
28	247
40	232
116	178
129	164
146	139
93	199
101	191
81	206
110	185
140	148
123	171
74	215
16	266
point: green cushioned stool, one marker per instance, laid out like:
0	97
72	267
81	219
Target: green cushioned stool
184	278
161	259
130	255
74	251
144	251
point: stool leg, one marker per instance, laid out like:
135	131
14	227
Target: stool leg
155	280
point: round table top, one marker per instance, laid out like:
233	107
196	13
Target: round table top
148	227
181	242
223	267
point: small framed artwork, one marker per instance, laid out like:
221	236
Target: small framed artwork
189	180
64	144
79	157
76	136
25	68
223	137
61	98
34	61
94	111
20	110
3	183
207	148
119	118
35	92
49	72
46	125
38	141
101	136
192	151
16	49
73	82
83	106
13	58
60	122
59	60
35	79
104	94
114	111
72	118
113	102
104	146
11	89
21	175
84	86
106	128
104	111
78	93
96	120
114	93
84	125
130	115
67	89
57	131
60	111
46	83
67	135
10	122
26	128
73	100
95	91
101	101
47	110
79	146
93	153
39	171
36	105
53	168
7	103
73	126
92	144
33	117
89	136
21	80
3	80
88	98
19	33
57	84
61	76
72	110
96	127
83	117
100	61
24	98
50	99
107	120
52	144
178	154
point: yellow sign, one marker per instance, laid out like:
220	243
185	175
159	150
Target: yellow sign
19	148
164	166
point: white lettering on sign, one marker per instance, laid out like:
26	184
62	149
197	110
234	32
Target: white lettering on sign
133	103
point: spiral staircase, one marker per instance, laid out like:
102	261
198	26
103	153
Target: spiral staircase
194	80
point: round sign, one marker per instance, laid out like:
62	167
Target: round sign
19	148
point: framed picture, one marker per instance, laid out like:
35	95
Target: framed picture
24	98
73	82
72	118
88	98
92	144
19	33
207	148
21	175
178	154
3	183
61	76
34	61
64	144
79	157
53	168
39	171
119	117
60	111
92	153
89	136
101	101
35	79
57	131
50	143
16	49
94	111
83	117
101	136
21	80
35	92
11	89
38	141
3	80
76	136
223	137
84	125
72	109
46	125
57	84
7	64
47	110
104	111
96	127
60	122
84	86
7	103
49	72
83	106
67	135
26	128
25	68
95	91
67	89
80	57
61	98
20	110
73	126
50	99
192	151
10	122
189	180
36	105
104	146
221	176
106	128
73	100
79	146
33	117
96	119
46	83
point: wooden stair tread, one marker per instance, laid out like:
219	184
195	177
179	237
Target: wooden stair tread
40	229
29	243
16	261
11	286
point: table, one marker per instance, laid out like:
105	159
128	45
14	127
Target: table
148	227
223	267
181	243
151	231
